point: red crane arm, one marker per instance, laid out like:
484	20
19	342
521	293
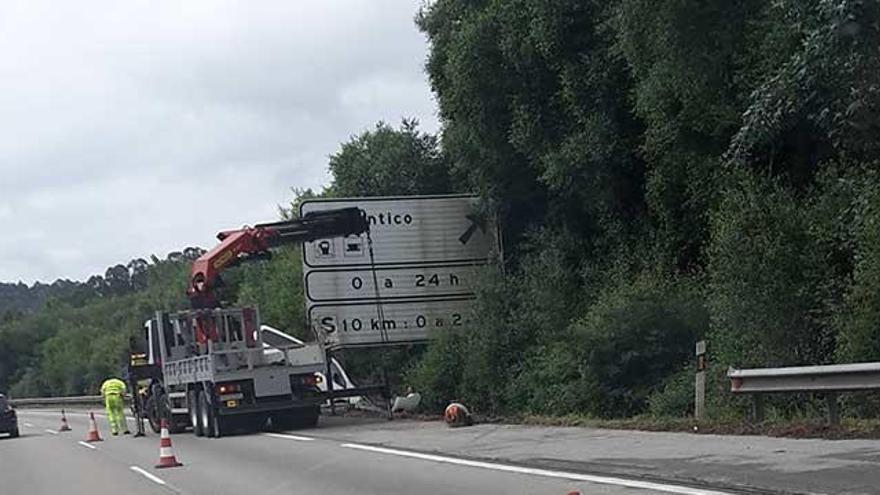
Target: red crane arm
255	242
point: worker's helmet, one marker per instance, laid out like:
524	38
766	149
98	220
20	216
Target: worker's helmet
457	414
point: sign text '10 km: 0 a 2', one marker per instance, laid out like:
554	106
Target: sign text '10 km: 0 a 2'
362	324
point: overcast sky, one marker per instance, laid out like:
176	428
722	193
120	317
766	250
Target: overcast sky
141	127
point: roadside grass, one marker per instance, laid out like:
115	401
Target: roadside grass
850	428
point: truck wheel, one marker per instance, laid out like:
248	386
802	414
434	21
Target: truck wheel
283	421
309	417
211	422
152	412
14	433
192	402
297	418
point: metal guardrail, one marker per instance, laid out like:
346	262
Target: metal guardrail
829	380
59	401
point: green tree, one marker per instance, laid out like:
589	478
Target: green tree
387	161
276	286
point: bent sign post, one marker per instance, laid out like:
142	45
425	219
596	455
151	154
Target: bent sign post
426	249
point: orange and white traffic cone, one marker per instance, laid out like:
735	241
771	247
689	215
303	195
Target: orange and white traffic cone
64	425
94	436
166	452
456	414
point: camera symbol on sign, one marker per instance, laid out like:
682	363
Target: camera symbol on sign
324	248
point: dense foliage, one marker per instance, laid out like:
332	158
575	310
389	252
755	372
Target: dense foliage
81	337
665	171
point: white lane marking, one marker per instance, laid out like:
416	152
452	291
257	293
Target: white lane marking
148	475
29	425
87	445
51	431
604	480
289	437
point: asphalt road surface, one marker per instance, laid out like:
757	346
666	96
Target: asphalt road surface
43	461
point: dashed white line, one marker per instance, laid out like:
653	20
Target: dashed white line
29	425
88	445
148	475
53	432
604	480
289	437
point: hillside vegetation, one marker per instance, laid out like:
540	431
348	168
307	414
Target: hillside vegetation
663	172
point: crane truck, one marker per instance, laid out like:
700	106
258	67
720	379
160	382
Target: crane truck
209	367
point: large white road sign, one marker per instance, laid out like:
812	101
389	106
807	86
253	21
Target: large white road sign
427	251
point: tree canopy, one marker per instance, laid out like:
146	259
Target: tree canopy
664	172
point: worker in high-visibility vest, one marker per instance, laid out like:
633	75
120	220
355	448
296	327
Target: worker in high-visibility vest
113	390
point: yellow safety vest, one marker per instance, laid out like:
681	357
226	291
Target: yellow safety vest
113	386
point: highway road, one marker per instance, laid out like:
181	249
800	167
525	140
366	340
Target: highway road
321	460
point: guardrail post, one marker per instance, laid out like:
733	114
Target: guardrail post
700	382
758	408
833	409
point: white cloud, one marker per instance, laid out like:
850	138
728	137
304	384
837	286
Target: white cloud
140	127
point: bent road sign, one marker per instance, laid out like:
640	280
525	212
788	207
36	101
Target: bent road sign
427	251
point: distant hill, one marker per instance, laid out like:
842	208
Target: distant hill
21	298
118	280
66	337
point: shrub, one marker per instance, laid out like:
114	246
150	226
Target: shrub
635	336
859	318
437	375
763	278
675	397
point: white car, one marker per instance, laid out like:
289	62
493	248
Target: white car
298	351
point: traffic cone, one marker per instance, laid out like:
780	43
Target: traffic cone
456	414
94	436
64	425
166	452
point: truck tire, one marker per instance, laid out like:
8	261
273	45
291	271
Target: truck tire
14	433
309	417
296	418
205	419
152	413
212	424
192	403
283	421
